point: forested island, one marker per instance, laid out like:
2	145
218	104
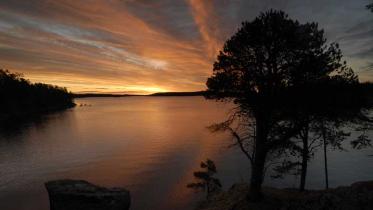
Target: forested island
100	95
89	95
21	98
196	93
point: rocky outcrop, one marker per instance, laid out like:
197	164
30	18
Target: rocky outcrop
82	195
357	196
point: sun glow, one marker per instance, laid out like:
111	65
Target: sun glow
145	89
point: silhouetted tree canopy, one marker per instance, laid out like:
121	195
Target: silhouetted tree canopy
370	7
273	53
206	180
279	71
20	97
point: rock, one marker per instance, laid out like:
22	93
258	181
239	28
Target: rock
82	195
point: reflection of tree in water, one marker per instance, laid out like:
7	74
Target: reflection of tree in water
19	125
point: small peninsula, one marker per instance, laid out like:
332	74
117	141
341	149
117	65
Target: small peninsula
21	98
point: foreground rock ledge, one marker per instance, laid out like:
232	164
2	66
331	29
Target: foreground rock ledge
357	196
82	195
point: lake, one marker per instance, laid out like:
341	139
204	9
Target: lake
149	145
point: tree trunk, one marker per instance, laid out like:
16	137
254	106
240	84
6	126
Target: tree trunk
257	175
326	166
325	157
304	167
305	157
257	170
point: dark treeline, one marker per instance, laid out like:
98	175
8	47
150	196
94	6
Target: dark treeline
101	95
88	95
367	90
20	97
196	93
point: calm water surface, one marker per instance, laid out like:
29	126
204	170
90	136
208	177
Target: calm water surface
149	145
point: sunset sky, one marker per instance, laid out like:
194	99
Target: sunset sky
145	46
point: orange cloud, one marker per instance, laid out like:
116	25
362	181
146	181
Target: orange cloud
101	45
206	20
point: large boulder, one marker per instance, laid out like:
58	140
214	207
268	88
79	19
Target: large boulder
82	195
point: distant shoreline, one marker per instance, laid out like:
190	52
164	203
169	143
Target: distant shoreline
89	95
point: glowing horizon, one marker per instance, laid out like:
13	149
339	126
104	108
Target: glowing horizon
143	46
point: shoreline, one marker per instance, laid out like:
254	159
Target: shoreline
104	95
358	195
